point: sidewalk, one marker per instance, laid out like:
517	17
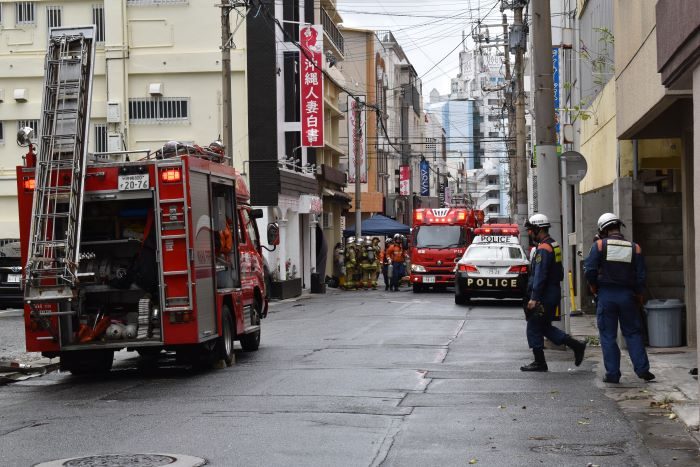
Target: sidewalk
674	389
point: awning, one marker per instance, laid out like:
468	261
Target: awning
339	195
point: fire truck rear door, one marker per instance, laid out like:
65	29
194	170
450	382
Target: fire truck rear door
203	254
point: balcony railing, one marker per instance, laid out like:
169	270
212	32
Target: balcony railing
334	34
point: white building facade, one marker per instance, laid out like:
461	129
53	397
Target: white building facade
155	80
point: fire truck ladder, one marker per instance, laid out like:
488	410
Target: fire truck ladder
54	242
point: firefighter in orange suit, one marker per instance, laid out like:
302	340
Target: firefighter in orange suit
397	256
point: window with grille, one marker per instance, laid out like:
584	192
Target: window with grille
24	13
159	109
33	124
2	133
100	137
98	19
54	16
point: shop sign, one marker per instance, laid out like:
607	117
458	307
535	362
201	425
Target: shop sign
310	204
404	180
424	178
311	85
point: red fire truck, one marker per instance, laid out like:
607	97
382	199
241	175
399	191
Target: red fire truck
168	258
439	238
138	250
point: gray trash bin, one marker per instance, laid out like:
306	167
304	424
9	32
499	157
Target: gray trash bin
665	322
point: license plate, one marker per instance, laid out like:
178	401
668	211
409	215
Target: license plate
14	277
133	182
428	279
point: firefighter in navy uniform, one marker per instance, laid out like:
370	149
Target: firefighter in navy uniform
616	273
544	291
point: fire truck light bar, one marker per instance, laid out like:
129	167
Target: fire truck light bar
171	175
510	230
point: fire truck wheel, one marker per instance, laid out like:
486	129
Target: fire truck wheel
224	344
82	362
251	342
461	299
417	288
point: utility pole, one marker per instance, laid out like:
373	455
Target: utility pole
227	107
548	181
357	135
508	99
520	123
548	194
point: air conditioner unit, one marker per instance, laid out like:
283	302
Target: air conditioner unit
327	220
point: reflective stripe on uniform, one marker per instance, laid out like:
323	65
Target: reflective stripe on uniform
557	252
619	251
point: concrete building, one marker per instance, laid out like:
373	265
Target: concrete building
155	80
364	71
632	111
297	186
634	130
402	144
476	125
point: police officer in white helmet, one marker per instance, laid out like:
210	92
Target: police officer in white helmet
616	274
544	292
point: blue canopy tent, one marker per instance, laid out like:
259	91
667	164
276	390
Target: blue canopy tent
379	225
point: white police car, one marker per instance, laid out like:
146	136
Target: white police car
494	266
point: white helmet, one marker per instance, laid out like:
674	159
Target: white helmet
608	219
537	221
397	237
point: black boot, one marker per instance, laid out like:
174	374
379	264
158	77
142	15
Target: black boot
539	364
578	347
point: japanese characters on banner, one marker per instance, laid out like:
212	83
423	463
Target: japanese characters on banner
404	180
311	85
355	150
442	185
557	97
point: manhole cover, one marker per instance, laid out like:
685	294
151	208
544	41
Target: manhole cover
127	460
581	449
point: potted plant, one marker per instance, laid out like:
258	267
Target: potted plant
288	287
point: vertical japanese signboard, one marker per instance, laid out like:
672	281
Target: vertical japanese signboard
442	185
311	85
424	178
357	140
557	102
404	180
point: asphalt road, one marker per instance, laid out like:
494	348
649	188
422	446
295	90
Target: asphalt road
345	379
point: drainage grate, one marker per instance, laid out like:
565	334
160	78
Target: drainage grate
612	449
128	460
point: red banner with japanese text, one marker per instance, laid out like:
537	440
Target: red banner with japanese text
404	180
311	85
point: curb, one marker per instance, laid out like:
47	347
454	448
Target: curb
11	372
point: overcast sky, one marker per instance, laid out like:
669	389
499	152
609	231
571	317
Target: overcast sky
427	30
